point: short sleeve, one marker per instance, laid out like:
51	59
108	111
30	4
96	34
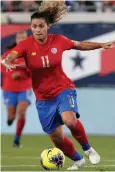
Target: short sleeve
67	43
20	49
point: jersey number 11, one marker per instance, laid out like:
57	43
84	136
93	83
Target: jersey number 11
45	61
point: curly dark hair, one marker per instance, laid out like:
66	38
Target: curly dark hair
51	11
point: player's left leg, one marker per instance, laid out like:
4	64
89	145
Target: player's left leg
68	109
67	146
23	103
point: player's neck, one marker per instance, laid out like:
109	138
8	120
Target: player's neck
40	41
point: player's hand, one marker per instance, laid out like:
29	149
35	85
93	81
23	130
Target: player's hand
22	66
16	75
108	45
8	67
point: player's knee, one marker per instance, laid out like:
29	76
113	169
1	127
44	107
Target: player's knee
11	118
70	123
57	138
21	115
22	112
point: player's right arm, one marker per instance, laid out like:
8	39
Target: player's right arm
18	51
7	62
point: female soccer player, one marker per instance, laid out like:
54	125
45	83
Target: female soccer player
16	87
55	92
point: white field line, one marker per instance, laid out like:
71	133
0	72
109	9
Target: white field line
33	157
37	157
23	165
20	157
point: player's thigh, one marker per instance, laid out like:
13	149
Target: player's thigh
24	100
48	114
57	135
68	107
68	118
25	96
10	100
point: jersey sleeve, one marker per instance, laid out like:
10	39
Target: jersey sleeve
67	43
20	49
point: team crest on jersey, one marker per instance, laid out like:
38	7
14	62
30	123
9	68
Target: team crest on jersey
54	50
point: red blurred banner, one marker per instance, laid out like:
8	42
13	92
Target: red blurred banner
107	61
7	30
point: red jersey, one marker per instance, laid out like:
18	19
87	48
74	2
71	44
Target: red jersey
44	61
16	85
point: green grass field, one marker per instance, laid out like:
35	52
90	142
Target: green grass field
27	157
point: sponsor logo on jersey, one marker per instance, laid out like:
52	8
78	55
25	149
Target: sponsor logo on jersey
54	50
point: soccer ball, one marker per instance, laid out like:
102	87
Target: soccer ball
52	159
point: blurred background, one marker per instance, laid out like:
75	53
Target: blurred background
93	73
76	6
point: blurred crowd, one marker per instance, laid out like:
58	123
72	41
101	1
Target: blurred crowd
78	5
19	6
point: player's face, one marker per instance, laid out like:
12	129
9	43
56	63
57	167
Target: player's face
21	37
39	29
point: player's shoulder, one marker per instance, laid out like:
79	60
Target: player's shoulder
56	37
29	38
27	41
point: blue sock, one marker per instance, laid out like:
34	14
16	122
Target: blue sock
17	139
77	156
86	147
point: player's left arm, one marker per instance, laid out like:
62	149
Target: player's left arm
92	45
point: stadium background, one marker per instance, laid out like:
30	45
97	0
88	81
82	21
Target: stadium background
93	72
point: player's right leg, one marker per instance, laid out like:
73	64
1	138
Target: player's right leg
51	123
66	145
10	102
23	101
